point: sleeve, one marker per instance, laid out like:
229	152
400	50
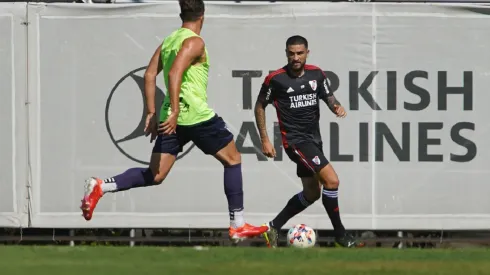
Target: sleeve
324	90
266	94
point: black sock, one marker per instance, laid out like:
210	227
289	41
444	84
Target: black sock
133	178
234	194
331	204
295	205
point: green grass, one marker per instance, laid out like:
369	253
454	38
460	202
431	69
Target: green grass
24	260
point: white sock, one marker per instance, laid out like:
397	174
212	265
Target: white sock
236	219
109	185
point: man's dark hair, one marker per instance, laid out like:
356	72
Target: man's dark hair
191	10
297	40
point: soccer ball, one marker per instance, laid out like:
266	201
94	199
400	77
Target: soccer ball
301	236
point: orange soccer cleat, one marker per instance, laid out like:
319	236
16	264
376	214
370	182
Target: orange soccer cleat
246	231
93	193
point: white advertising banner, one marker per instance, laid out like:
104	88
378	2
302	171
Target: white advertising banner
13	149
411	154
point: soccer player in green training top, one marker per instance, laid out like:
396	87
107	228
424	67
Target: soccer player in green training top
185	116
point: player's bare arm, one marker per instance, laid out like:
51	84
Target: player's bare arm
154	68
329	98
192	50
335	106
260	105
331	102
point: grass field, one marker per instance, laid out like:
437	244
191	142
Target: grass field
24	260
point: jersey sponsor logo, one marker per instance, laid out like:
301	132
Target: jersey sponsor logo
313	84
305	100
125	116
183	106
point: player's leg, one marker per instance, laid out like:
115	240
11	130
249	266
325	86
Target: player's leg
312	155
160	165
213	138
296	204
231	160
330	181
233	185
162	159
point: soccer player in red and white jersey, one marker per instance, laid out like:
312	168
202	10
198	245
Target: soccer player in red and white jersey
295	91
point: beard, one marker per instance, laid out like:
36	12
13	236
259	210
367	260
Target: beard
296	66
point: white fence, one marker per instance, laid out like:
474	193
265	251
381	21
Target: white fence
413	153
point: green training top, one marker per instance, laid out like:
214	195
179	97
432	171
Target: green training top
193	96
